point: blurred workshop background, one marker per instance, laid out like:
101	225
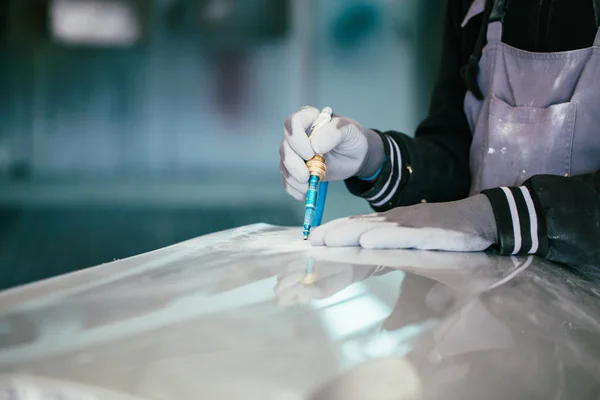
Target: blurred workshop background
130	125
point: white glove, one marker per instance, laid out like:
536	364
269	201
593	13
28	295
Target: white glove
349	150
464	225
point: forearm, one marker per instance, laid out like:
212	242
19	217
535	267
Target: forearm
423	169
434	165
552	216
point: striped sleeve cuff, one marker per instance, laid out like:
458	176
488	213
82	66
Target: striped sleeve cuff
520	222
392	178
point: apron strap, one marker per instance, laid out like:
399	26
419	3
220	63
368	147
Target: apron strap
499	10
494	31
597	15
470	71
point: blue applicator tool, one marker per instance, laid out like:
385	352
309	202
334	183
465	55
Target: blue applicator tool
315	201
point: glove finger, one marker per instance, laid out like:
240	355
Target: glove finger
302	187
294	164
295	128
291	191
347	232
391	237
317	235
326	138
400	237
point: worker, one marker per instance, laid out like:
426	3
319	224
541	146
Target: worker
507	157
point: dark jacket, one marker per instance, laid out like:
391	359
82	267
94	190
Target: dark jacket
435	163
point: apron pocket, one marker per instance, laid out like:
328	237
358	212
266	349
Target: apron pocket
525	141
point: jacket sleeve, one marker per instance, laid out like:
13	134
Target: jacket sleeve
555	217
433	166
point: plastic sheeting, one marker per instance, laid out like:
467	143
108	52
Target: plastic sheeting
224	316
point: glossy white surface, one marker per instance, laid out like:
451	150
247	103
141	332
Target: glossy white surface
225	316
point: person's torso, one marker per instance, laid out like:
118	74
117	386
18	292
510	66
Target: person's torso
538	78
538	25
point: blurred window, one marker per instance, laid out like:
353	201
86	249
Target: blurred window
95	22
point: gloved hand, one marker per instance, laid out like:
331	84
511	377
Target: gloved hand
349	150
464	225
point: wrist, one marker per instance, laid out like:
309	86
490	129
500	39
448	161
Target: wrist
518	215
374	157
478	210
375	174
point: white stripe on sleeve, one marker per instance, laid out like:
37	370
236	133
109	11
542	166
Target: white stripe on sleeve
515	219
393	162
395	149
533	222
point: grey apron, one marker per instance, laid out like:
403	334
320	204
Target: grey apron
540	113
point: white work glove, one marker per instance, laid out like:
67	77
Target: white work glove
349	150
464	225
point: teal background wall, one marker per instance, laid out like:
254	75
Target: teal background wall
109	152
